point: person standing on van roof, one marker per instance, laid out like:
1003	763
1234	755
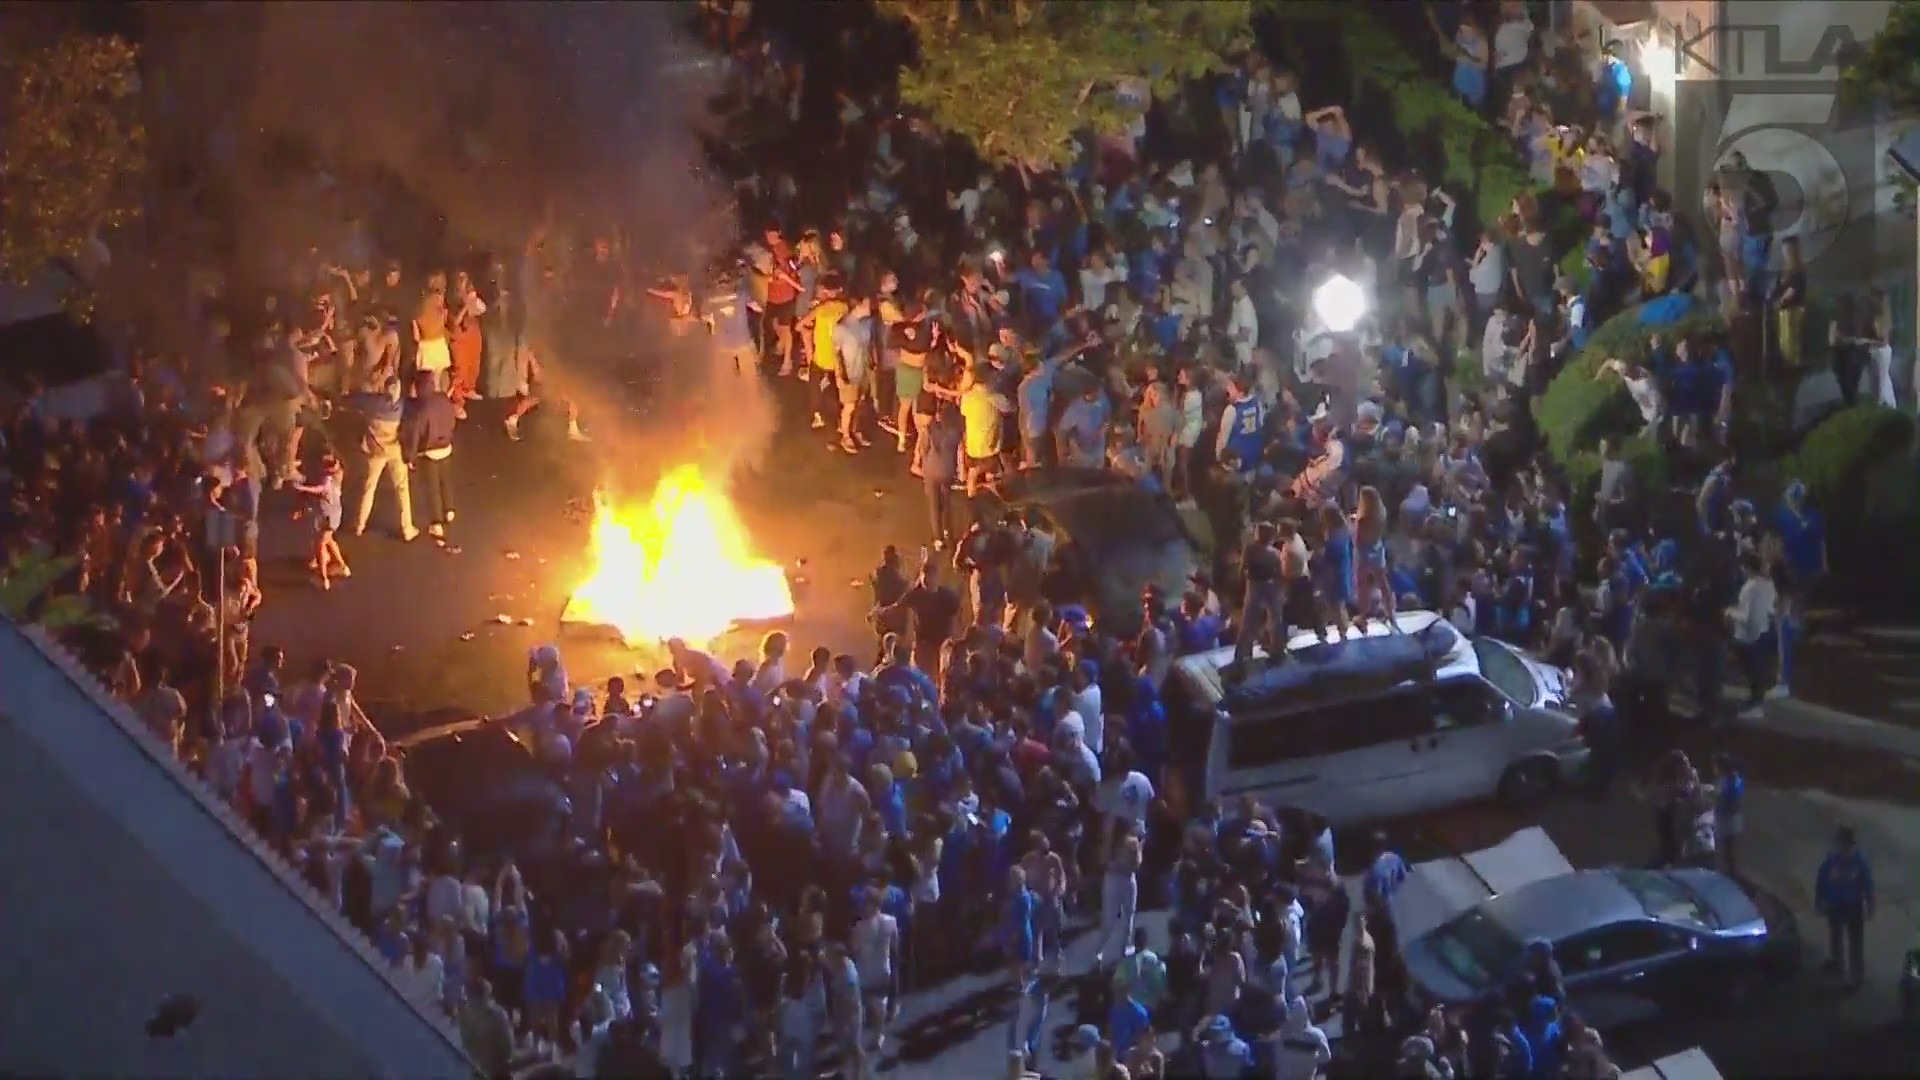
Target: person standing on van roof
1260	611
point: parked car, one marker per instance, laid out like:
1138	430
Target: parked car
1379	724
484	784
1112	537
1631	944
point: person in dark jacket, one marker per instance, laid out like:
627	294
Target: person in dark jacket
1843	895
426	439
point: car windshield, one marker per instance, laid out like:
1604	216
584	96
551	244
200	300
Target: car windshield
1504	670
1476	949
1666	899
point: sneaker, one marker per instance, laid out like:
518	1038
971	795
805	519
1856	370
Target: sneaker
574	434
343	571
437	531
900	446
819	421
849	446
1779	693
1752	712
513	428
450	517
890	427
939	543
408	536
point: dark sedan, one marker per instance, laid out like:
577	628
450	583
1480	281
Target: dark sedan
1113	537
484	784
1631	944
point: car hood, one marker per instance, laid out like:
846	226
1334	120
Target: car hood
1433	980
1551	680
1730	904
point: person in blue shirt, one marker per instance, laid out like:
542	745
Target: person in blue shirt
1223	1055
1843	895
1470	64
1613	87
1729	808
1043	291
1242	427
1128	1022
1542	1030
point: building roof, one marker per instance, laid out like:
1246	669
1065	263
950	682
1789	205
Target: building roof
143	887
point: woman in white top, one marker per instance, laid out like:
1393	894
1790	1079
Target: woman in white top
421	972
676	1010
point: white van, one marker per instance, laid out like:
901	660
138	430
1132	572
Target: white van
1378	725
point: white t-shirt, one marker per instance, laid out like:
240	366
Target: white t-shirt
1243	329
424	977
1126	797
871	945
1646	396
446	898
1086	705
1512	42
1193	418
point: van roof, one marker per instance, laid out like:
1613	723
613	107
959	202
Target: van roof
1422	645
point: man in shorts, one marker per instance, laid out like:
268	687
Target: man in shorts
783	295
875	944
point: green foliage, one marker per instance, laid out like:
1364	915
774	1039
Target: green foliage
1839	452
72	146
1888	68
1581	405
1020	80
27	585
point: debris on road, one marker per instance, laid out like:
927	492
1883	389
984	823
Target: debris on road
503	619
468	636
512	555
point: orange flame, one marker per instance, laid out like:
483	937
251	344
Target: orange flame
682	567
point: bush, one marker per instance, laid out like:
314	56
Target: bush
1580	406
1838	454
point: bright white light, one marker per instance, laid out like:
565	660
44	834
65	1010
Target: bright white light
1661	67
1341	303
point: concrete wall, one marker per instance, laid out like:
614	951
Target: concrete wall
125	882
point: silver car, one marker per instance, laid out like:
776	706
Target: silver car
1631	944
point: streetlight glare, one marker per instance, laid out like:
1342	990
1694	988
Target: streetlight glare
1658	62
1340	303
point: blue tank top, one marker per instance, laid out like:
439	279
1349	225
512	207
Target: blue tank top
1246	440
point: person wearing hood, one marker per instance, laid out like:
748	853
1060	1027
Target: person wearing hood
1223	1055
546	676
1301	1050
1541	973
1544	1039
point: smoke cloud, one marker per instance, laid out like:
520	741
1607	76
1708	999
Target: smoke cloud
571	120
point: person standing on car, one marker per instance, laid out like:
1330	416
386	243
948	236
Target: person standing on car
1260	611
1843	895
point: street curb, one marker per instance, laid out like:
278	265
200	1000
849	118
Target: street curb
1807	720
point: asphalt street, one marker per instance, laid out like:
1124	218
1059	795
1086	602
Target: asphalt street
424	627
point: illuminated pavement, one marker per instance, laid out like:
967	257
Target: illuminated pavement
403	617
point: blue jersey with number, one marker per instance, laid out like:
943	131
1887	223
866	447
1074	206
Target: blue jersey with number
1245	438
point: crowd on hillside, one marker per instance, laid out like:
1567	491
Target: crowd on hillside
999	764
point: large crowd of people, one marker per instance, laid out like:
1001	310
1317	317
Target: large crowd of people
996	766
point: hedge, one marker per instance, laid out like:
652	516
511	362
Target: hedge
1840	452
1579	407
1475	155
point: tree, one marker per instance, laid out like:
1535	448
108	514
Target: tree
29	590
1020	78
1888	67
72	148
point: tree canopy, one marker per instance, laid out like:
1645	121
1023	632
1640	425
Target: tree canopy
1888	67
72	148
1019	78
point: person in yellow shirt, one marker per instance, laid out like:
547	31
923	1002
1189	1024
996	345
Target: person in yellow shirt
983	410
820	322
